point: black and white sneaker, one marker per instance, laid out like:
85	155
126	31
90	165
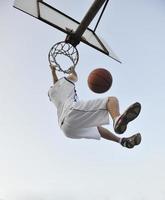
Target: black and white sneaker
120	123
130	142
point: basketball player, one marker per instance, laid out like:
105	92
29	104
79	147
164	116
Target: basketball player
84	119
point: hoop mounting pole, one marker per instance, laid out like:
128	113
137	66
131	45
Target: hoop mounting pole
75	37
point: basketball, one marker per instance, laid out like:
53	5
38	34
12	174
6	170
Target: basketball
100	80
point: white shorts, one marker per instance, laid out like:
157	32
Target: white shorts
85	117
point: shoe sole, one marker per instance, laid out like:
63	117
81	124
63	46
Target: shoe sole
129	115
133	141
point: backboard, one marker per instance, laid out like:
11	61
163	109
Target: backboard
54	17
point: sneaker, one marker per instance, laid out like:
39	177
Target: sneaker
120	124
130	142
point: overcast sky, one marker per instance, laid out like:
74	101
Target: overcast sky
37	162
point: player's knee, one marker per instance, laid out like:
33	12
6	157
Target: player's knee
112	99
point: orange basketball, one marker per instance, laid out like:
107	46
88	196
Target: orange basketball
100	80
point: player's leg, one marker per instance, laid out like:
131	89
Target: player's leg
128	142
113	107
106	134
121	121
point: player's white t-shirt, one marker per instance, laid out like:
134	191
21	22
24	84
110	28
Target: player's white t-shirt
63	95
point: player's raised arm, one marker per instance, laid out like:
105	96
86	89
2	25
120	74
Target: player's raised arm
72	74
54	75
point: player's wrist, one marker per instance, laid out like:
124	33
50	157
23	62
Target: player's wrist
53	67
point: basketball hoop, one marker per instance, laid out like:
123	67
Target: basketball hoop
66	49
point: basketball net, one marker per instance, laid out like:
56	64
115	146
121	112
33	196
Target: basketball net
63	55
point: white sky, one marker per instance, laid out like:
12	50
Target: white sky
36	160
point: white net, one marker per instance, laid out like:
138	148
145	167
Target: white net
64	56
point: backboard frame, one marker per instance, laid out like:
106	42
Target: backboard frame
38	15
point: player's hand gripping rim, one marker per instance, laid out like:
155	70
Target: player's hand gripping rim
53	67
71	70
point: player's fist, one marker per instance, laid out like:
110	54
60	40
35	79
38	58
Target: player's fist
71	70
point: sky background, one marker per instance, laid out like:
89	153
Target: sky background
37	162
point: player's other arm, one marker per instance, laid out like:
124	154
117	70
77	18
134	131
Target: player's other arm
72	75
54	74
